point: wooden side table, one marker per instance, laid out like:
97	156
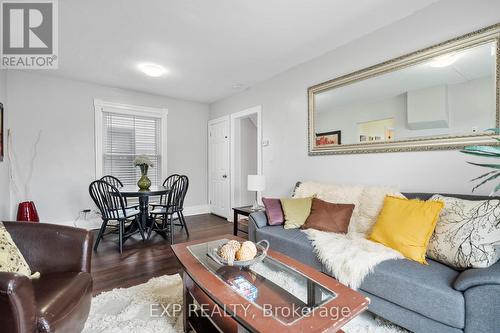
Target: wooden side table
244	211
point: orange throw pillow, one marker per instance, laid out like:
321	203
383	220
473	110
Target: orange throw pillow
330	217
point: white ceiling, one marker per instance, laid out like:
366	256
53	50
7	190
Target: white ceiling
209	46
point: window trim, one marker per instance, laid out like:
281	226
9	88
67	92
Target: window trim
101	106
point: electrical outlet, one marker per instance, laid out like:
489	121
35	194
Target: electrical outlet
474	129
265	143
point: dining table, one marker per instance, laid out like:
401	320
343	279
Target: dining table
143	196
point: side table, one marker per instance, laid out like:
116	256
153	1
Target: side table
244	211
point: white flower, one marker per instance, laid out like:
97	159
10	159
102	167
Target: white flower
143	160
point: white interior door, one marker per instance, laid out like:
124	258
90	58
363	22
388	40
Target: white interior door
218	166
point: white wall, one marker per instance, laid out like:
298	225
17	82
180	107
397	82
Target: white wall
4	168
63	110
284	101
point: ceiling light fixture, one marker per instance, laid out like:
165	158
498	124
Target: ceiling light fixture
237	86
152	70
443	61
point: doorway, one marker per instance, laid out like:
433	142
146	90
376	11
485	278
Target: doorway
234	152
246	154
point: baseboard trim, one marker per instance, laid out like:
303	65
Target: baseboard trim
96	223
196	210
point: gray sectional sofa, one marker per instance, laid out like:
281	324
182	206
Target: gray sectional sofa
431	299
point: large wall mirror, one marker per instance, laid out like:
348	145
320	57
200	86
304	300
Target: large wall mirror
442	97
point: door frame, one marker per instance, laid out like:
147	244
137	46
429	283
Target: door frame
236	116
209	148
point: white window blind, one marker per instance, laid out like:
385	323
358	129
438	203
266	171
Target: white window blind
127	136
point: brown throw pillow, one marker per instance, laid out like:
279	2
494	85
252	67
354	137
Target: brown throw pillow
331	217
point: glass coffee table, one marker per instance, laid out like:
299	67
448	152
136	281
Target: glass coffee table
278	294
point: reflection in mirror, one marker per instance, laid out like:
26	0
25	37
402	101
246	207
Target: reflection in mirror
450	95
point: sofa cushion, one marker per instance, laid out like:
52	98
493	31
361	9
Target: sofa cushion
344	194
330	217
407	225
427	290
467	233
11	259
296	211
63	301
274	212
405	318
291	242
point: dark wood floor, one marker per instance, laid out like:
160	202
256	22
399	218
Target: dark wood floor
141	261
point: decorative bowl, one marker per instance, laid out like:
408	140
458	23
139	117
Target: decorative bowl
262	247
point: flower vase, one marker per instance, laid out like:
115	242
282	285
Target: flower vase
26	211
144	182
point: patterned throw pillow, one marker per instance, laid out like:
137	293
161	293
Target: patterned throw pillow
467	233
11	259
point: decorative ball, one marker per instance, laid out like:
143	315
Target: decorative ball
234	244
228	253
248	251
251	246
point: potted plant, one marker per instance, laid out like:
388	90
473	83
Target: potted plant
486	151
144	163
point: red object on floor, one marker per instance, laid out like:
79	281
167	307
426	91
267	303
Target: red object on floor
26	211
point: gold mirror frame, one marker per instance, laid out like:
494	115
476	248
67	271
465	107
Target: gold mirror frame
483	36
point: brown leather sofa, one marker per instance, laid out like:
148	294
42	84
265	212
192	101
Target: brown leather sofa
59	301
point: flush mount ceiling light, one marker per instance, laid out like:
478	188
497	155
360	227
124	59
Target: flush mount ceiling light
443	61
153	70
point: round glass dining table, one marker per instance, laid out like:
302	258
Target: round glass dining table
143	195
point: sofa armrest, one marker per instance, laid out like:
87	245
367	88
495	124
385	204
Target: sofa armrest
256	221
259	219
50	248
477	277
17	303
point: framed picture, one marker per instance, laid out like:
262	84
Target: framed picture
1	132
328	139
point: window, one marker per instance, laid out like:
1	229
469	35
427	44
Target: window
124	132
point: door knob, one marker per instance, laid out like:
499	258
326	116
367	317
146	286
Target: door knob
224	176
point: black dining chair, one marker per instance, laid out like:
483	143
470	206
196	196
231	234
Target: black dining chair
179	209
113	181
112	206
118	184
163	215
168	184
180	206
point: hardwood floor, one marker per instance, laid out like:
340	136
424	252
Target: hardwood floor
141	261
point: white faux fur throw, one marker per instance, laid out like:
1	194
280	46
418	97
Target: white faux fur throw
351	257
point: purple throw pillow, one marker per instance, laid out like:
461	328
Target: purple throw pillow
274	211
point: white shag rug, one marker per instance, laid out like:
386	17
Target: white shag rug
138	310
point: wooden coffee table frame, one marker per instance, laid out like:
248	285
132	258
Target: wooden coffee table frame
205	287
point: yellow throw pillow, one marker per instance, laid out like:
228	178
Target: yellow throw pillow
407	226
296	211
